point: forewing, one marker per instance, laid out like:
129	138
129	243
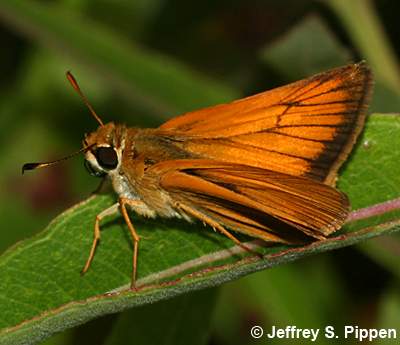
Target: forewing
259	202
306	128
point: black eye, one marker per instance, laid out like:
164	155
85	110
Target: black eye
92	171
106	157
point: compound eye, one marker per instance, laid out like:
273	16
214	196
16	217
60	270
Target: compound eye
106	157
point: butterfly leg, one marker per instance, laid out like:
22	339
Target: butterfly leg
122	203
96	236
215	225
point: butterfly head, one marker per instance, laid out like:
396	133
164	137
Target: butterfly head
104	149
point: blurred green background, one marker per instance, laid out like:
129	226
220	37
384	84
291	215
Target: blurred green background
144	61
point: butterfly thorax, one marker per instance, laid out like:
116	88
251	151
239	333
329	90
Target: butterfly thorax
137	177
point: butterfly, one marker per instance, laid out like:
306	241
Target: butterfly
264	165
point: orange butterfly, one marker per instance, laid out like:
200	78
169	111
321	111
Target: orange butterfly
263	165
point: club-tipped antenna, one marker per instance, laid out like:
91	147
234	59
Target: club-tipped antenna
32	166
76	87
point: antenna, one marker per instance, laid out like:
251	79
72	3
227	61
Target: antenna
75	85
32	166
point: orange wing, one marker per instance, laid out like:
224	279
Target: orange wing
254	201
306	128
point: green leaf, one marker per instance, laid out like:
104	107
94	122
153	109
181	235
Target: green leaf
42	292
371	175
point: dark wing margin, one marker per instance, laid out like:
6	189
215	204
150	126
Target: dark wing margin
359	86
